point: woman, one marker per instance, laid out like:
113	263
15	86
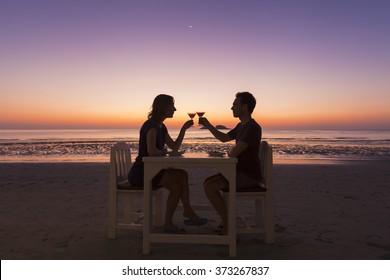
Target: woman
153	137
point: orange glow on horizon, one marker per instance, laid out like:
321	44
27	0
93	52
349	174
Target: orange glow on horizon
30	119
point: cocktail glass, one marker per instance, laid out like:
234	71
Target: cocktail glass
200	114
191	115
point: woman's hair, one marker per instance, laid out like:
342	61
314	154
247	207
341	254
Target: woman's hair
160	102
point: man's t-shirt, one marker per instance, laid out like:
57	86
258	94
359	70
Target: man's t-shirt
248	160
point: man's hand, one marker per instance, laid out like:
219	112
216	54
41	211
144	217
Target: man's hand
204	121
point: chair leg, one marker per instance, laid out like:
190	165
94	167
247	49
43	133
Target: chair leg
258	212
127	209
112	216
269	222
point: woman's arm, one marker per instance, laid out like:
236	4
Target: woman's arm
151	144
175	144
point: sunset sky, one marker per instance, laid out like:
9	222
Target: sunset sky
99	64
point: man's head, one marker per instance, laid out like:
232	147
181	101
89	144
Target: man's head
244	102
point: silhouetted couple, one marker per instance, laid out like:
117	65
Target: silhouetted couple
154	136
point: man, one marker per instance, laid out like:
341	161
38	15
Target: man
247	134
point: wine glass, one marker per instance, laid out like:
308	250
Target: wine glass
200	114
191	115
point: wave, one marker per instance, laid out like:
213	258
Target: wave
75	144
76	149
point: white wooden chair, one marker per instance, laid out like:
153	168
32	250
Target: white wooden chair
120	188
262	196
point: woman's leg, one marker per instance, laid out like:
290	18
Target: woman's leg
176	181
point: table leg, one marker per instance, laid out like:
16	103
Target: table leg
230	175
150	172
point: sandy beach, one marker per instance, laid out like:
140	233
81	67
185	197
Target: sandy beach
322	212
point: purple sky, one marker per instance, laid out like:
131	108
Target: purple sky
317	64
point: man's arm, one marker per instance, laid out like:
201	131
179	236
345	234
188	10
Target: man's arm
223	137
238	149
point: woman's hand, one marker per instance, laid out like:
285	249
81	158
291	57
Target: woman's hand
164	152
188	124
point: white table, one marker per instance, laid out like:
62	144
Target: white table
227	166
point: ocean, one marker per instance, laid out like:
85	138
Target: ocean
93	145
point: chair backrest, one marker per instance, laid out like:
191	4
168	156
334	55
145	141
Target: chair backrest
265	155
120	158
